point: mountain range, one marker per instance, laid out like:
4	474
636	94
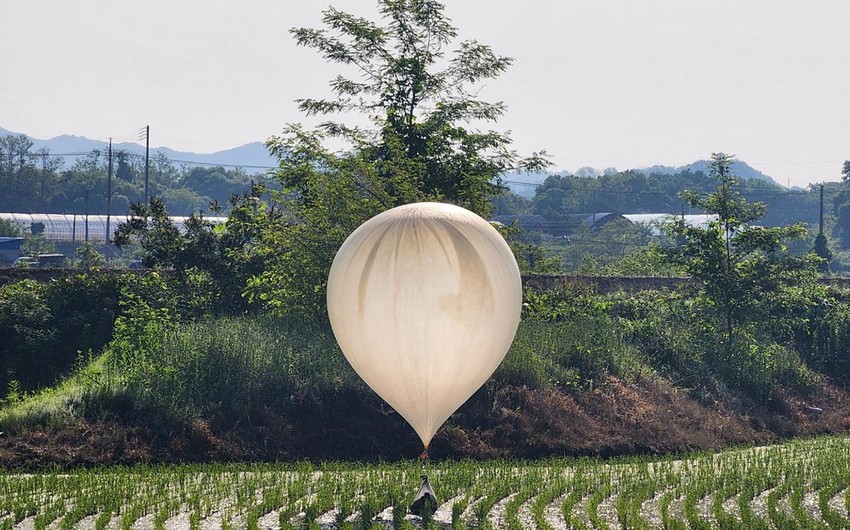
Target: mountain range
252	157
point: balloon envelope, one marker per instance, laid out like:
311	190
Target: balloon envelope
424	301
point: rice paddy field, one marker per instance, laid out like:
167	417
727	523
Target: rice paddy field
798	484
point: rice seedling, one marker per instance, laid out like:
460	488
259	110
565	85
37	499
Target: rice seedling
799	484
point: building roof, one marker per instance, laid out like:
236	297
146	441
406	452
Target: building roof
658	219
11	243
79	228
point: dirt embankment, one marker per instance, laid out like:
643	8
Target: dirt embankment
648	417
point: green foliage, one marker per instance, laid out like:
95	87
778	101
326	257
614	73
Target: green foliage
508	203
588	250
825	342
151	228
650	260
533	258
215	183
229	368
571	355
45	326
420	147
36	181
750	488
9	228
821	250
36	244
24	317
841	206
225	367
589	336
670	331
647	192
211	263
569	339
746	273
768	366
88	256
333	196
561	304
136	337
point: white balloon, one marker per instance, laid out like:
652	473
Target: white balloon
424	301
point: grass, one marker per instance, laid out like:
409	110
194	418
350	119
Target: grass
229	367
59	405
226	367
351	495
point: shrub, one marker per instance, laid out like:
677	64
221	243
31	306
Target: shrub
226	366
46	326
825	342
26	335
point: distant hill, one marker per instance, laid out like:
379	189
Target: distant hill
525	184
252	157
739	167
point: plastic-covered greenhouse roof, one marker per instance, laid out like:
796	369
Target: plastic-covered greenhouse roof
78	228
655	220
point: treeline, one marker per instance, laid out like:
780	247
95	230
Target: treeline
37	181
635	192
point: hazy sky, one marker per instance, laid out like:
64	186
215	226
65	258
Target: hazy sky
625	83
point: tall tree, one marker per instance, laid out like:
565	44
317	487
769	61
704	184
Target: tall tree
15	159
420	98
86	183
124	171
417	88
745	270
48	168
841	204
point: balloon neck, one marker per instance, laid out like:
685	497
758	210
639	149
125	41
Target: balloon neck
424	459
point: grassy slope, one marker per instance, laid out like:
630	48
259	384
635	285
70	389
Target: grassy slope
261	389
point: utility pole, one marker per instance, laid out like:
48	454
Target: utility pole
87	215
109	191
820	226
147	158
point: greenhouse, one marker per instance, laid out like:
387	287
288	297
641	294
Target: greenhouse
77	228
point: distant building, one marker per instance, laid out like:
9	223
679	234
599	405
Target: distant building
77	228
10	249
654	221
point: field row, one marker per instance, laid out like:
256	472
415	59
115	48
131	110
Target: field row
802	484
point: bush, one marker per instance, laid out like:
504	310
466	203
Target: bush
569	339
767	366
46	326
27	336
670	332
825	342
225	367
